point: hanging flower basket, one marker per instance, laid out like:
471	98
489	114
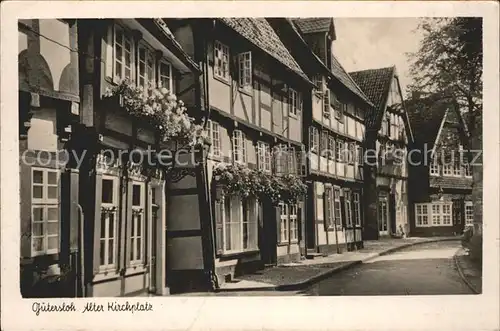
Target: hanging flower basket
160	108
239	180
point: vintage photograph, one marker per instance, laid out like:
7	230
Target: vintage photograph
245	156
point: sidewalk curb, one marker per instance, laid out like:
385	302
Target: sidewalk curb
306	283
462	275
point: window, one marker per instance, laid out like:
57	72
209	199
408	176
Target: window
469	213
324	144
360	156
348	208
280	159
239	224
215	148
336	207
421	214
446	214
457	170
357	209
447	170
221	61
165	76
145	67
137	226
239	147
295	102
394	126
340	151
263	156
351	153
292	161
313	139
326	104
318	83
289	226
123	54
331	148
245	69
439	212
434	168
467	170
44	211
109	214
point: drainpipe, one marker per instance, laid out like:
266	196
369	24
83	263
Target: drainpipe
81	250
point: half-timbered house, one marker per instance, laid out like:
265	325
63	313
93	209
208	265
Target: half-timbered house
254	90
440	175
333	132
388	134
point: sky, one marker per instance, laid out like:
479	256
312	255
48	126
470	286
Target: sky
370	43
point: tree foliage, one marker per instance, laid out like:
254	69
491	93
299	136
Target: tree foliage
450	60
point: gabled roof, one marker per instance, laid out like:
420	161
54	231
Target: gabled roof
315	24
426	116
375	83
459	183
261	34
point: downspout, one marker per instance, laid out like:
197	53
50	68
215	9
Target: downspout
81	251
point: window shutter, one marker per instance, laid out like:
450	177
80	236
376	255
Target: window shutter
218	209
326	210
343	217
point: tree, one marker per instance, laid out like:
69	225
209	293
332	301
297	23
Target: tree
450	62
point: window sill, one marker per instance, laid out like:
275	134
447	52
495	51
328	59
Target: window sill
246	90
230	255
135	269
223	80
292	115
106	275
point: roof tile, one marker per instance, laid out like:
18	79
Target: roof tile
313	24
261	34
451	182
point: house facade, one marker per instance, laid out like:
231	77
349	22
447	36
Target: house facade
254	91
440	176
334	134
388	135
48	110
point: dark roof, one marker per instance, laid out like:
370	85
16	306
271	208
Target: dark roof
375	83
426	115
314	24
341	74
460	183
261	34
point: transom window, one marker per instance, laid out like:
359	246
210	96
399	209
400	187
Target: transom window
295	102
469	213
109	219
137	226
214	132
264	156
239	224
221	61
44	211
239	147
123	54
245	69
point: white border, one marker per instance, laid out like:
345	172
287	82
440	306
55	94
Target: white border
342	313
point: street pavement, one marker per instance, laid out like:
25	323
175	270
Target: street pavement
425	269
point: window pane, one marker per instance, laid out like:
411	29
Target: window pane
111	229
53	228
38	192
37	214
52	177
139	224
111	256
136	195
52	192
37	244
37	176
103	225
138	248
37	229
107	191
53	214
53	242
102	251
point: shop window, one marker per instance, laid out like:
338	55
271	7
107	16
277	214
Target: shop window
239	221
289	227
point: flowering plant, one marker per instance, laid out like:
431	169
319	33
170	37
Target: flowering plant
238	179
160	108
